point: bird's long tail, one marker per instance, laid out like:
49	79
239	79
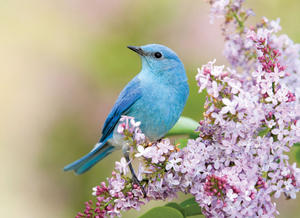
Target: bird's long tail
83	164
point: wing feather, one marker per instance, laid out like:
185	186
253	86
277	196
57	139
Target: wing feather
129	95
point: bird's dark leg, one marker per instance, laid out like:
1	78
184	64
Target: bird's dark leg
134	177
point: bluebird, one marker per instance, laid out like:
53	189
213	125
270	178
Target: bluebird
155	97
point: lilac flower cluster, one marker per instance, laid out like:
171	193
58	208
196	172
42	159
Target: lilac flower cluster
122	193
239	48
239	162
244	167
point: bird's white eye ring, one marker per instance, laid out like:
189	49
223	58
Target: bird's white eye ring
157	55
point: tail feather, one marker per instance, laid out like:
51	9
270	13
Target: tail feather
89	160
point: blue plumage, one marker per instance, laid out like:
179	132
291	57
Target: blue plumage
83	164
130	94
156	97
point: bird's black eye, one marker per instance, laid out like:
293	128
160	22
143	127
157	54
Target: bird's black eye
157	55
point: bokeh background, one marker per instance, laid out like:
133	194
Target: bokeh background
62	65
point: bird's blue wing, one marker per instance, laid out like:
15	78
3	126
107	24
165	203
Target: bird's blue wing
130	94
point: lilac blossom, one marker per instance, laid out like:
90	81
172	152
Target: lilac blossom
122	166
239	161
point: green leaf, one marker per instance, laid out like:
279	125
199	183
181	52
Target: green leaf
264	132
176	206
191	207
297	144
182	143
188	202
162	212
184	126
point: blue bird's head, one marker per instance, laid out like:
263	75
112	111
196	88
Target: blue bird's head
161	61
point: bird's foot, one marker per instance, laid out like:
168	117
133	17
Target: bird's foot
134	178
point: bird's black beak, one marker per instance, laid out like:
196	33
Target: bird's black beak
137	49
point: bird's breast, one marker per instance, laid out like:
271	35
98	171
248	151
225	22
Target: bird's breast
159	108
